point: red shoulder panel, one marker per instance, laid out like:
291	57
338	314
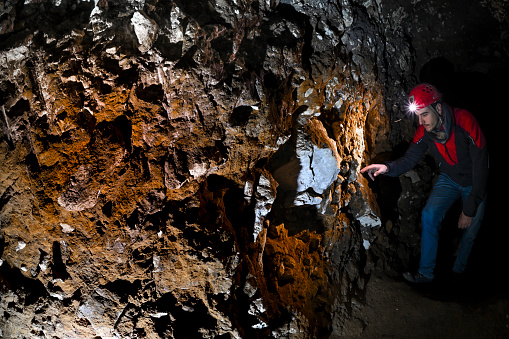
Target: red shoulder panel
467	121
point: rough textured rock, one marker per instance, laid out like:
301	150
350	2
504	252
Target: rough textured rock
166	163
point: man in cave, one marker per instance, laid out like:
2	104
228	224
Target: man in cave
454	138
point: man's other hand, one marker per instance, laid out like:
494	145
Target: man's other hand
464	221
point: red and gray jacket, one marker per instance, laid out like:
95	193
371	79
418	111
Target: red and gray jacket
463	157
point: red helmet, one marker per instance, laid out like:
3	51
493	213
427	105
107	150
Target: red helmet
423	95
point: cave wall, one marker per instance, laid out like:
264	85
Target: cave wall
190	169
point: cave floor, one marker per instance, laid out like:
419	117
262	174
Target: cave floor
474	307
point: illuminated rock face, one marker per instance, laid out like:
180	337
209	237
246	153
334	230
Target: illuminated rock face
190	169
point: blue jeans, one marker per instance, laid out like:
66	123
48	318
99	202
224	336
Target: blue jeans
444	195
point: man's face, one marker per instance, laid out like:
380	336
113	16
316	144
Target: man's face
427	118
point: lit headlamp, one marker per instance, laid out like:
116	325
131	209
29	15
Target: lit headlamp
412	105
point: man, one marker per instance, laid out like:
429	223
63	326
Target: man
454	138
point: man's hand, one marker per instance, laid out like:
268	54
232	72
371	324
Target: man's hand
374	170
464	221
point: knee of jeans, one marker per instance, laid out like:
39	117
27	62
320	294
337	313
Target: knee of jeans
469	236
428	216
430	221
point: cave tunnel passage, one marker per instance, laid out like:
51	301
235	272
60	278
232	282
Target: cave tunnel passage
233	61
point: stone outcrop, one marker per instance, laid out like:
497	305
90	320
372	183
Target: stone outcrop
191	168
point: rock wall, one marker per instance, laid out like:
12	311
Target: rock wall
190	169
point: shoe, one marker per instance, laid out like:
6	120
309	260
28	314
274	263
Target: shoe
417	278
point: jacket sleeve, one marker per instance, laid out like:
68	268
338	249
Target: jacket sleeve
414	153
480	165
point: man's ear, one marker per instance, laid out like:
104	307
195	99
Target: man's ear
438	107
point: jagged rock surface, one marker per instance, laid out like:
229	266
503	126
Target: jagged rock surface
190	169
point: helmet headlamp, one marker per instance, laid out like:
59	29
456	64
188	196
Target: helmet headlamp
412	106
